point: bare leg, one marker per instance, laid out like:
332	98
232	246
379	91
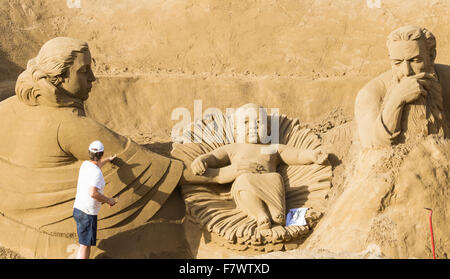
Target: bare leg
255	208
83	252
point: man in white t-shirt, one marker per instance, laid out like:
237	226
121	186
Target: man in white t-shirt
90	198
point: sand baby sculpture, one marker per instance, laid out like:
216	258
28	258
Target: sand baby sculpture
401	157
264	182
47	138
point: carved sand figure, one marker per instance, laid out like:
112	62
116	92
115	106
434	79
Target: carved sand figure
412	99
48	135
253	192
401	118
263	184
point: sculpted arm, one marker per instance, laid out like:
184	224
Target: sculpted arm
378	123
75	135
214	159
211	175
296	156
211	168
215	167
379	110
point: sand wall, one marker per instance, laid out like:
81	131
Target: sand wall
145	104
303	56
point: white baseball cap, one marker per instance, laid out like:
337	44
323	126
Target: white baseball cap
96	146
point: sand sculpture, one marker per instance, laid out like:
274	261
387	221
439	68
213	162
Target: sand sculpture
251	211
407	101
48	134
401	119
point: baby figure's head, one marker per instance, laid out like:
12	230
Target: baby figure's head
251	124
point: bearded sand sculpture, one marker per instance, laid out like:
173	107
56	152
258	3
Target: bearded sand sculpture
401	155
48	134
251	213
407	101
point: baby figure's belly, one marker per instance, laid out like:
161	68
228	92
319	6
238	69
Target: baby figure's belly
268	187
258	180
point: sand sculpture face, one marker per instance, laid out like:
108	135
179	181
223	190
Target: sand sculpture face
409	58
78	79
250	125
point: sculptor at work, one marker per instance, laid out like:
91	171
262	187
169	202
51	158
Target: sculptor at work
412	99
89	198
258	193
48	135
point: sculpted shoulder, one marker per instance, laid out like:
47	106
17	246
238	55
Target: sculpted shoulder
7	104
372	94
378	84
12	108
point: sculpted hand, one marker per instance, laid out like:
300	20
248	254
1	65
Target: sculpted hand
409	89
319	157
199	166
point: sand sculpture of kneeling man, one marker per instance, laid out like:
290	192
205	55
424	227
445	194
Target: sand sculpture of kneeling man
45	138
259	193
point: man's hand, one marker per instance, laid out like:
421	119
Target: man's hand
104	161
111	202
199	166
112	158
409	89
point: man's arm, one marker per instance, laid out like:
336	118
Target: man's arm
106	160
95	194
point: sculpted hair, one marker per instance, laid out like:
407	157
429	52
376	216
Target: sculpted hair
47	70
414	33
55	58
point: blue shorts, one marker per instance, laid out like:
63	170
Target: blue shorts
86	227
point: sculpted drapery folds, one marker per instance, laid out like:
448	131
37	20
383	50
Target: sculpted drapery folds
48	138
410	100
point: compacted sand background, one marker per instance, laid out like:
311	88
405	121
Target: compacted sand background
308	58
